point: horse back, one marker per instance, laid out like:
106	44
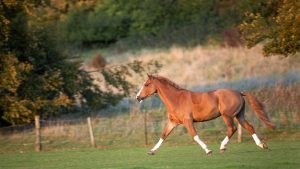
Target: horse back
201	97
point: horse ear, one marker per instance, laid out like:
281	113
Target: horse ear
149	76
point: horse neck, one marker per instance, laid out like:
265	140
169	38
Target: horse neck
167	93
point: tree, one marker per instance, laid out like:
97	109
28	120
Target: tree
31	66
11	77
154	22
276	24
37	77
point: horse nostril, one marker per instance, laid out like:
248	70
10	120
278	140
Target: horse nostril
139	99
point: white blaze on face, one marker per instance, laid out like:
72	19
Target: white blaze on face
138	94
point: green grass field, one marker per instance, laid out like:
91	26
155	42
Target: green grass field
283	154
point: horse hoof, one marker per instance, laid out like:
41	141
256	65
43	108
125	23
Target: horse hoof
263	146
222	150
151	152
209	153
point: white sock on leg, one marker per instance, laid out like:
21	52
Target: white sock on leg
202	144
157	145
224	143
257	141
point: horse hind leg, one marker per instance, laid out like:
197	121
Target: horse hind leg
246	125
231	129
228	114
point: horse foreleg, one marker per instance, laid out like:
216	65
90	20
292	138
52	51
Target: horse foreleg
167	130
190	127
223	144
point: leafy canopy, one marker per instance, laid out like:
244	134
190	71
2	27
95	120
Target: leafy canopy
276	24
37	77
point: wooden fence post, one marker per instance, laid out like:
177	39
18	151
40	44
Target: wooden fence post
239	138
145	129
38	144
91	132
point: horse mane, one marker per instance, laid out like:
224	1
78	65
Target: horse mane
168	81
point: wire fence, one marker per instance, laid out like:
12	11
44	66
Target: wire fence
141	129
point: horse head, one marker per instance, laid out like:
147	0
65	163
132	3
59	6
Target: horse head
148	89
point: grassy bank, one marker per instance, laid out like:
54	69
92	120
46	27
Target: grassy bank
283	155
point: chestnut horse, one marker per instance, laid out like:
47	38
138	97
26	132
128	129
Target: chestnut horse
186	107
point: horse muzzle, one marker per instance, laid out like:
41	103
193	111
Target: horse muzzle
140	99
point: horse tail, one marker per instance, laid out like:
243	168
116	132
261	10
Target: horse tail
259	109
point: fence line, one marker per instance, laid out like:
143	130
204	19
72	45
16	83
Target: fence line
142	129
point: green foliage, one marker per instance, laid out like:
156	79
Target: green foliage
86	25
37	77
151	22
12	107
276	24
31	81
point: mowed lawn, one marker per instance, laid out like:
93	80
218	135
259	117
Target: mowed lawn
283	154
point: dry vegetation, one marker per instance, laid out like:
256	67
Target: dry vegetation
206	65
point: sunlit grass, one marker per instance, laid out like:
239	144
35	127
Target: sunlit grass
283	154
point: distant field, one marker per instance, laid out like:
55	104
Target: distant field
283	154
202	65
